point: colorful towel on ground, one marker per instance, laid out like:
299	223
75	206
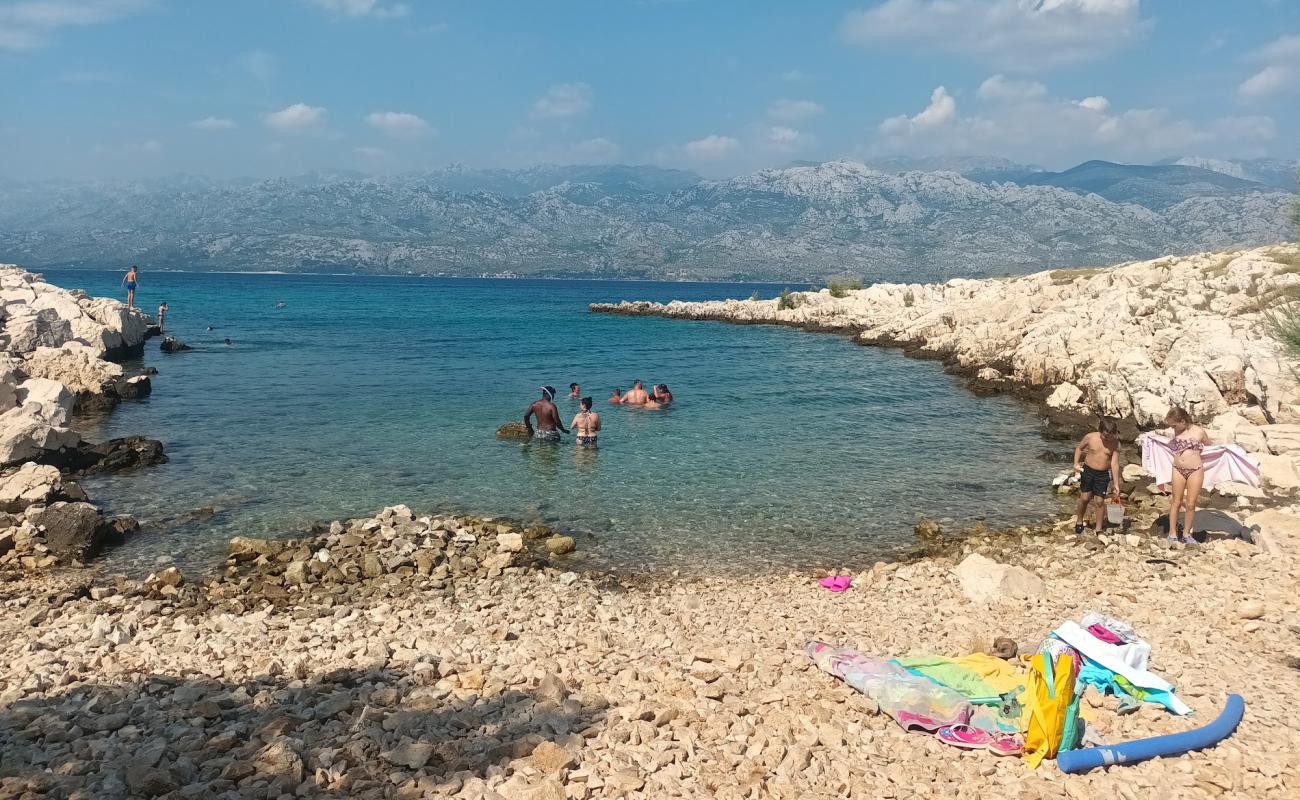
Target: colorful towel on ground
914	702
1224	463
976	677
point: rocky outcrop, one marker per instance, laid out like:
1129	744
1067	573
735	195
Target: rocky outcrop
34	484
170	344
1128	341
58	351
114	455
34	426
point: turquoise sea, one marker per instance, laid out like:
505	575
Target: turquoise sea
785	449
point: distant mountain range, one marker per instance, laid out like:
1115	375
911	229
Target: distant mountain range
900	219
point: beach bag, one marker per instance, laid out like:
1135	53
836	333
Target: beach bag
1048	698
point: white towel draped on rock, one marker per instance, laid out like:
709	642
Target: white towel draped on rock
1224	463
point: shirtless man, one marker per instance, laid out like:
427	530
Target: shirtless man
617	397
548	418
1099	452
637	395
586	423
575	391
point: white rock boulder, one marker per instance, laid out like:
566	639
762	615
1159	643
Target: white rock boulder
984	580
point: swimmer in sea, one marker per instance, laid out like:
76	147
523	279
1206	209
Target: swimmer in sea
280	304
662	395
548	418
636	396
586	423
130	281
617	397
228	342
575	391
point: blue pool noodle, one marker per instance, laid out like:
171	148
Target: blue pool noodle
1175	744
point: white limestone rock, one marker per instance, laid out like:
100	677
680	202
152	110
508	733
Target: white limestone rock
984	580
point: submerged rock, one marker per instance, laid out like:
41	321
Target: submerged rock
512	430
115	455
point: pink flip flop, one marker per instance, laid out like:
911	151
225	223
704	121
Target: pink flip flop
968	738
837	583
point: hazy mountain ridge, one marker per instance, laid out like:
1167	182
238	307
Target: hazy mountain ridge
795	223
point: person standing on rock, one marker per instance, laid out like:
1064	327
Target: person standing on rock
162	315
586	423
1188	475
1099	472
130	281
548	418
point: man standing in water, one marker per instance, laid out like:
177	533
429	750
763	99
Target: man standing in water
548	418
637	395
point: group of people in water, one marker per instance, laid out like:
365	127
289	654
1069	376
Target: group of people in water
1097	462
585	425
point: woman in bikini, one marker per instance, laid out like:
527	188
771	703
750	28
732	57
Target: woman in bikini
586	423
1189	473
130	281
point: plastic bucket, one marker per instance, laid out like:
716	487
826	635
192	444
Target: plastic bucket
1115	513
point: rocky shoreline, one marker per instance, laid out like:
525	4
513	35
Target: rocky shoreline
58	356
407	655
1126	341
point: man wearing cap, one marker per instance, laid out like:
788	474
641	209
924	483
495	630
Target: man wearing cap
548	417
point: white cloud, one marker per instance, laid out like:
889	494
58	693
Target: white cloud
784	139
564	100
941	110
147	146
372	153
711	147
1267	82
795	75
1280	74
999	87
1035	127
30	24
595	151
296	117
398	123
362	8
1283	48
213	124
1008	33
784	110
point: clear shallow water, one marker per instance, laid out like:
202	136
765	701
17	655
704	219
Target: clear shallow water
783	449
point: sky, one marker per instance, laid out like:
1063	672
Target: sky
102	89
